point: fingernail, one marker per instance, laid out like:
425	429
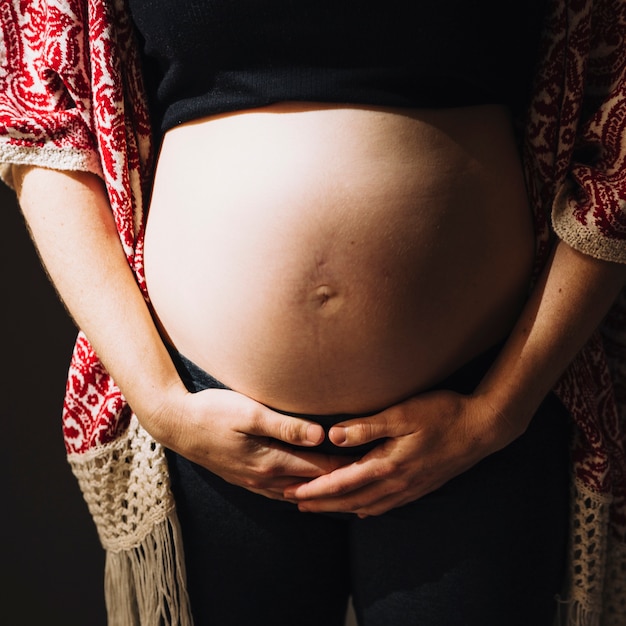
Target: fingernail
314	433
338	434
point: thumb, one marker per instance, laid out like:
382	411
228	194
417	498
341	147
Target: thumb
388	423
286	428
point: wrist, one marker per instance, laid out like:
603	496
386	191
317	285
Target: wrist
508	410
158	399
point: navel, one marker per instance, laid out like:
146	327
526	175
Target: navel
324	297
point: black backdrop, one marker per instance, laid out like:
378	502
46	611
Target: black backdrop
51	562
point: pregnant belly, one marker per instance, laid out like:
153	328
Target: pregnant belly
336	260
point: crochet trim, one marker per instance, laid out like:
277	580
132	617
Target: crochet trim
146	586
584	240
127	489
597	587
582	231
49	156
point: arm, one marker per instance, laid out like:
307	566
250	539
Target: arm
570	301
72	225
438	435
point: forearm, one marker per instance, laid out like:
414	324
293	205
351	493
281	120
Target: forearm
568	303
74	231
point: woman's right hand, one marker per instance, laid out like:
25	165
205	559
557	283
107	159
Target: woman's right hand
228	433
241	440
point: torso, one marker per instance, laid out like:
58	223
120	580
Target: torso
326	259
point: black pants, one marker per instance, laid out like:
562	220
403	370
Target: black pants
486	549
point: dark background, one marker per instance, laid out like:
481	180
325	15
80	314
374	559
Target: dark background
51	562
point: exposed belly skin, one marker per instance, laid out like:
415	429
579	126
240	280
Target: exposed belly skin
338	260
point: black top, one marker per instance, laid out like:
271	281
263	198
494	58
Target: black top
204	57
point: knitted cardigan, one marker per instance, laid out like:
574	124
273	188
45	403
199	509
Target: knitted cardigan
71	98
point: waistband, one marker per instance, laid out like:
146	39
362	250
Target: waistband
464	380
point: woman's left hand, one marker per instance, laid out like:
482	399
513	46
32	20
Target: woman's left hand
438	435
428	439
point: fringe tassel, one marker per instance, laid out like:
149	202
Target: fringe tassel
573	613
145	585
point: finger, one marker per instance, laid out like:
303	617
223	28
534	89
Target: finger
384	505
269	487
374	499
292	464
399	498
336	483
271	494
388	423
285	428
360	502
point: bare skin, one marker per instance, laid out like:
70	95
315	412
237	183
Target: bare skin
422	452
431	436
337	259
226	432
